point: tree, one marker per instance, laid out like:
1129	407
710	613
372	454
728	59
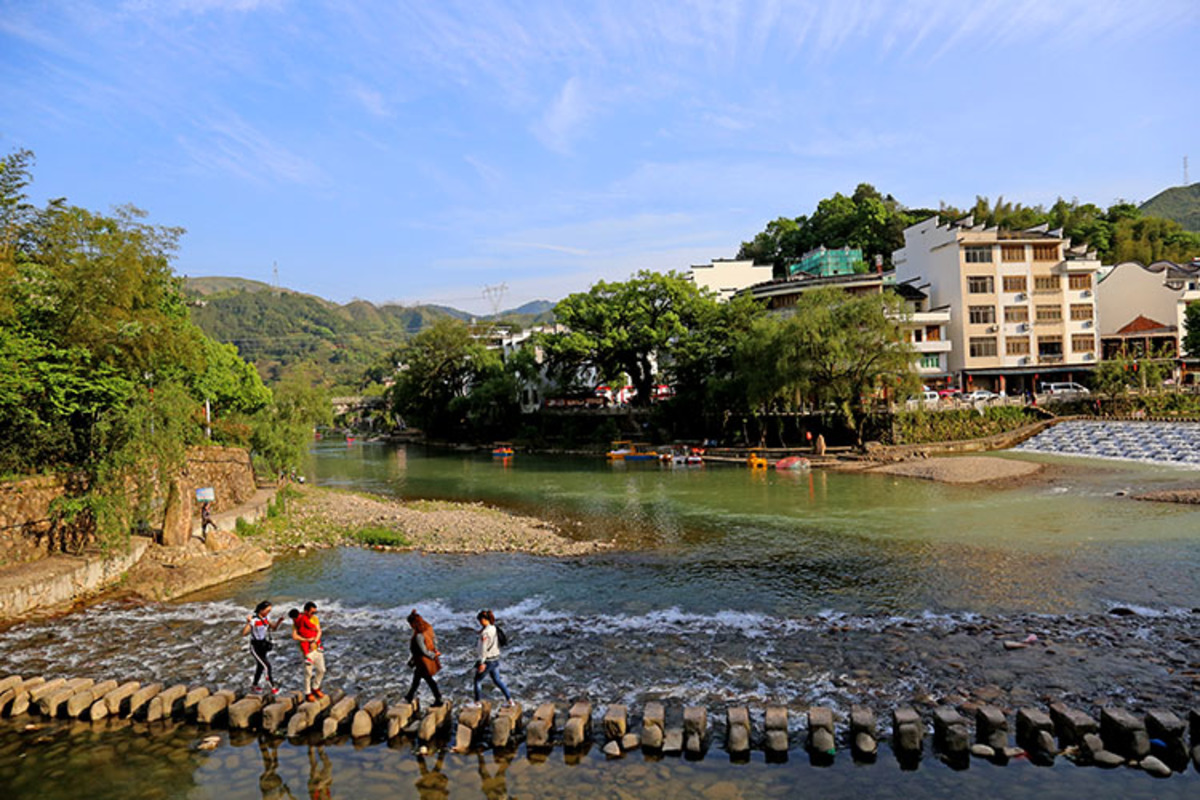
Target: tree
840	349
437	370
1191	324
627	327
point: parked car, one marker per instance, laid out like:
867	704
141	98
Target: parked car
950	394
1064	389
980	396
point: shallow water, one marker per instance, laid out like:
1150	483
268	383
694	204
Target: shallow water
799	589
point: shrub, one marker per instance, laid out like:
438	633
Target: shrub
380	536
921	426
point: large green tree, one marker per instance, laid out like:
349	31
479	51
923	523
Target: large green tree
438	369
627	327
1191	323
835	350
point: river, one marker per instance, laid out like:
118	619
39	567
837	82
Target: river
727	586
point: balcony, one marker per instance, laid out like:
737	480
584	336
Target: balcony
932	346
1050	359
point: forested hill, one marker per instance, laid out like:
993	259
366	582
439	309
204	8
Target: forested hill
1180	203
285	333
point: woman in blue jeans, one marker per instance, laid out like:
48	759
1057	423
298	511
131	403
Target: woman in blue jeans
488	661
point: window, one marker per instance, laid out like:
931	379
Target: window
931	361
978	254
933	333
1014	283
1046	283
1083	343
981	284
1081	311
1049	314
1017	346
981	315
1016	313
1050	348
1012	252
983	346
1045	252
1079	282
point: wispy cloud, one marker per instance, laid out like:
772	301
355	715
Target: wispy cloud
554	248
564	118
234	146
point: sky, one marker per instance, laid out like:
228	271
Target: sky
423	151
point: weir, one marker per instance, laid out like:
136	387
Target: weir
1159	741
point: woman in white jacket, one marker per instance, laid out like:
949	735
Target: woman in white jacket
488	660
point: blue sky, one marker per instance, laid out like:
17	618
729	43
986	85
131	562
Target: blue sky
414	152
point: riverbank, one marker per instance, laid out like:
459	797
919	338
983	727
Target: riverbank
318	517
964	470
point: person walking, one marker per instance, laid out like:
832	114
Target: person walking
206	521
425	659
306	629
488	660
258	627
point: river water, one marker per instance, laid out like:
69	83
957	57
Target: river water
727	587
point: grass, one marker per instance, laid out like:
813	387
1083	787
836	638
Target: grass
376	535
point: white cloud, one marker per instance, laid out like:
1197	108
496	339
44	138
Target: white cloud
562	121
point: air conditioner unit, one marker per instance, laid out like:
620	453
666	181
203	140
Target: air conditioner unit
1020	297
993	328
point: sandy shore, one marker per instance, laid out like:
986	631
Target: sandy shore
327	517
963	469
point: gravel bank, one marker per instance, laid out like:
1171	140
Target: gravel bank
327	517
962	469
1190	496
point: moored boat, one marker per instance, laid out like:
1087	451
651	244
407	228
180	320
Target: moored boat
793	462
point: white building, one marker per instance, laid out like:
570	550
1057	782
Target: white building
1021	303
727	276
1141	308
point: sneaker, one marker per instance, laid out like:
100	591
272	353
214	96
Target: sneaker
256	689
274	690
312	698
318	693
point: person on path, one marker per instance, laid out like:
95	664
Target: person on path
259	626
425	659
206	521
306	629
488	660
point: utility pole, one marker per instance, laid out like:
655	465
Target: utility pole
275	273
1185	174
495	297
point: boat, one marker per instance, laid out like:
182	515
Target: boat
793	462
502	450
755	461
625	450
684	456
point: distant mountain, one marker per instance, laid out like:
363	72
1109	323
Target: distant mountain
283	332
1180	203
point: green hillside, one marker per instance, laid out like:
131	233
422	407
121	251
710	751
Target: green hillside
283	332
1180	203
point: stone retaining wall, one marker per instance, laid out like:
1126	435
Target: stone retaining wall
26	532
64	579
1156	741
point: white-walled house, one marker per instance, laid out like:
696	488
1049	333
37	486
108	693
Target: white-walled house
726	277
1141	307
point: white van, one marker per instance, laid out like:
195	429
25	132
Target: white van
1064	389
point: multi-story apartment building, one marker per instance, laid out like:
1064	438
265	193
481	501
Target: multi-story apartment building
1022	303
923	326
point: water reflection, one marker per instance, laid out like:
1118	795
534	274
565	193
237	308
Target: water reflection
53	764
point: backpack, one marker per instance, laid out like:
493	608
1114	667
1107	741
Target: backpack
501	636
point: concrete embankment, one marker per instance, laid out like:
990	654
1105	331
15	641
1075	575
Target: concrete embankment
63	580
1158	741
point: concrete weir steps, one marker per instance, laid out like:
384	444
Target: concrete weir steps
1160	741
